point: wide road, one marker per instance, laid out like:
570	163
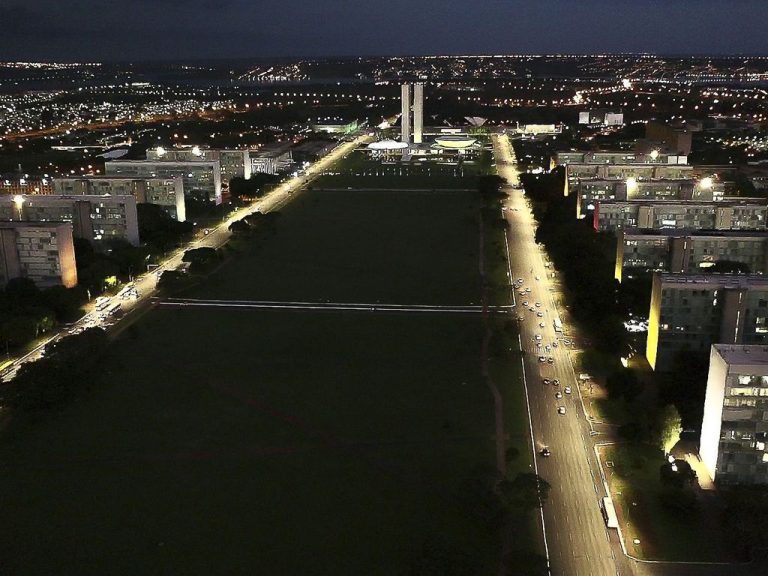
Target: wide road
578	541
146	284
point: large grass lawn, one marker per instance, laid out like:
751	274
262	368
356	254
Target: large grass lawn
254	442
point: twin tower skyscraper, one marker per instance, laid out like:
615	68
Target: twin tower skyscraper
418	113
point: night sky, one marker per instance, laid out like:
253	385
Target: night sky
109	30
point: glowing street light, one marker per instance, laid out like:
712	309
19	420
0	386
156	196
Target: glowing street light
654	154
160	151
706	183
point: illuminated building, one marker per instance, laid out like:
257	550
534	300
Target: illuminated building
745	214
93	218
232	162
15	185
335	126
601	117
418	113
735	425
688	251
202	178
40	251
165	192
591	191
624	171
417	108
688	313
405	113
616	157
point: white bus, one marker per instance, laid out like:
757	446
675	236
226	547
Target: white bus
609	513
558	325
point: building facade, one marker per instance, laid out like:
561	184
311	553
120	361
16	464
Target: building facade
232	162
689	313
688	251
735	425
614	215
40	251
165	192
93	218
201	178
590	192
616	157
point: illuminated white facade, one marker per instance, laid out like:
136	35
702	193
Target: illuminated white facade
405	113
735	424
418	113
39	251
94	218
165	192
202	178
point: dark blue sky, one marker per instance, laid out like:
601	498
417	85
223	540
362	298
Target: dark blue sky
173	29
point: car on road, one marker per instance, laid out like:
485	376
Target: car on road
545	452
554	344
558	395
520	280
537	337
567	389
550	360
561	410
538	304
540	314
546	381
556	382
537	278
522	292
532	309
527	290
542	325
542	359
525	303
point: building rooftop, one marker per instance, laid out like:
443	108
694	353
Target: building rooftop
743	355
720	280
685	232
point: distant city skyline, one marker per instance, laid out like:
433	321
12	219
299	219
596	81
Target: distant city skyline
80	30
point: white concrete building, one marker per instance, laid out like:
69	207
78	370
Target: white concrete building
94	218
735	425
165	192
40	251
202	178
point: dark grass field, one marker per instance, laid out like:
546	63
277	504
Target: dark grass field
254	442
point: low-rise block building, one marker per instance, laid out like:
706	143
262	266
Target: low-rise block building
40	251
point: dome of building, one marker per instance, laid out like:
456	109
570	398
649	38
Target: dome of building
387	145
457	142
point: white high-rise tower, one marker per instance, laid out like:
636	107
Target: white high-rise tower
418	112
405	118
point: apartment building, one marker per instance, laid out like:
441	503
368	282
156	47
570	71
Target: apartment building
94	218
165	192
616	157
688	251
735	425
40	251
689	313
591	191
728	214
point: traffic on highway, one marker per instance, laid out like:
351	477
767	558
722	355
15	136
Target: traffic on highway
110	310
576	538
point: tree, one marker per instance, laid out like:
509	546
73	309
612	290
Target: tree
623	383
527	491
669	425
